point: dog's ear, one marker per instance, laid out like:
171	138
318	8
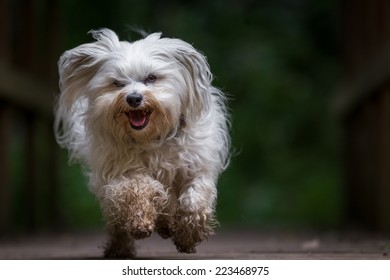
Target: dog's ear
201	77
197	75
77	66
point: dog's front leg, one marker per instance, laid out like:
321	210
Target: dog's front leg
194	218
130	207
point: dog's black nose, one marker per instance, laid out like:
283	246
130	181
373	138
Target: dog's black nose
134	99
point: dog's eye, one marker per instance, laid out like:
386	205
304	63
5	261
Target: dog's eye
119	84
150	79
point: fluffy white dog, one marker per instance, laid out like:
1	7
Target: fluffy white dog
152	131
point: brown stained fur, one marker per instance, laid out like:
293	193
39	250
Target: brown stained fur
134	208
190	229
160	123
133	205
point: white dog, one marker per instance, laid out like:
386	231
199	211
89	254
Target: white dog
152	131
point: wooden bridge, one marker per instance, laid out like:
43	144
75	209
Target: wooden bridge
277	245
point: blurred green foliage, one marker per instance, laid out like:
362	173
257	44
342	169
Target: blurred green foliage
278	62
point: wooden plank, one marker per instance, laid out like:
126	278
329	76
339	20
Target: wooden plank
224	245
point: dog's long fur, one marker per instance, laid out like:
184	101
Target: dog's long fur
161	177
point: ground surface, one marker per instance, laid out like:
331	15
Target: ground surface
225	245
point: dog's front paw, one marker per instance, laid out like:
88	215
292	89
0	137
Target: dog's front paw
133	205
140	230
190	229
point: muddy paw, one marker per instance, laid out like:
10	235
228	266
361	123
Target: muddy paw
141	232
184	248
190	230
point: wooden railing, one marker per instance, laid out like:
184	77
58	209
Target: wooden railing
363	104
29	39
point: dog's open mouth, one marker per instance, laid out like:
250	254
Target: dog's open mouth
138	118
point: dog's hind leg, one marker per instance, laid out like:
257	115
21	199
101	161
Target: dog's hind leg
120	245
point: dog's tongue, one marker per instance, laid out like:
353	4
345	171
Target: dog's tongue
137	118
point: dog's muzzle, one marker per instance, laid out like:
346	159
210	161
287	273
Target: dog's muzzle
138	117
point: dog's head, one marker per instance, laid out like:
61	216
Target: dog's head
144	91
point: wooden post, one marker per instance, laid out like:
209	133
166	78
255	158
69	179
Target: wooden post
366	110
383	198
5	170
